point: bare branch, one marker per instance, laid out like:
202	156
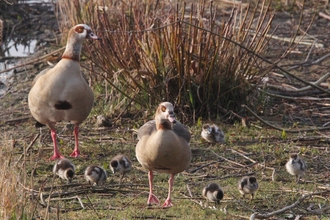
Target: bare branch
270	214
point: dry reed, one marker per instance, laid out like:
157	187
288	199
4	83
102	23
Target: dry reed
187	54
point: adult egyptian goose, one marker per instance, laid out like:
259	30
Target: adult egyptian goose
213	193
64	169
212	134
120	164
296	166
62	93
248	185
163	146
95	175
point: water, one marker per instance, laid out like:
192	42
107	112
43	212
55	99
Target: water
27	24
20	50
11	58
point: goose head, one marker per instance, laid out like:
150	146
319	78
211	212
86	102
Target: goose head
165	116
76	37
81	32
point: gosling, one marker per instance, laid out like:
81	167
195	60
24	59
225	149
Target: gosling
213	134
95	175
248	185
296	166
65	169
213	193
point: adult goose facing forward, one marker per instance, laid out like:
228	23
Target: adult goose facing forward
61	93
163	147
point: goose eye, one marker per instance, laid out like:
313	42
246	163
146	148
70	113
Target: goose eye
163	109
79	29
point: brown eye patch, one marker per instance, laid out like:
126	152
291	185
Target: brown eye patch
79	29
163	108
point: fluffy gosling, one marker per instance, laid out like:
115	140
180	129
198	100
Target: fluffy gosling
95	175
213	193
296	166
248	185
213	134
64	169
120	164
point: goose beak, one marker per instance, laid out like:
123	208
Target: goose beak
171	118
91	35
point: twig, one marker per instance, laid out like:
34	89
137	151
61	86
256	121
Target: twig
48	200
200	203
28	148
230	161
9	3
189	191
318	82
201	167
273	65
144	192
306	63
270	214
306	98
33	191
298	40
64	198
284	129
253	161
16	119
93	207
324	15
319	211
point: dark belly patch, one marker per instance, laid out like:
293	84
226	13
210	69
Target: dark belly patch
62	105
39	125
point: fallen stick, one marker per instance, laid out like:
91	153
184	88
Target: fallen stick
230	161
28	148
270	214
201	167
255	162
284	129
64	198
303	89
324	15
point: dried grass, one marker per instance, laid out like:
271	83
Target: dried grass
187	54
12	195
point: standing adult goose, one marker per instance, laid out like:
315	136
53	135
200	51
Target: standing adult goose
62	93
163	147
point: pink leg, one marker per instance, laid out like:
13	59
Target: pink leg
56	154
152	199
76	151
168	202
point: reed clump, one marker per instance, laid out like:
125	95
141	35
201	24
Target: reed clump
190	54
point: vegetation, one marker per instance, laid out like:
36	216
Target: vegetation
190	54
208	64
